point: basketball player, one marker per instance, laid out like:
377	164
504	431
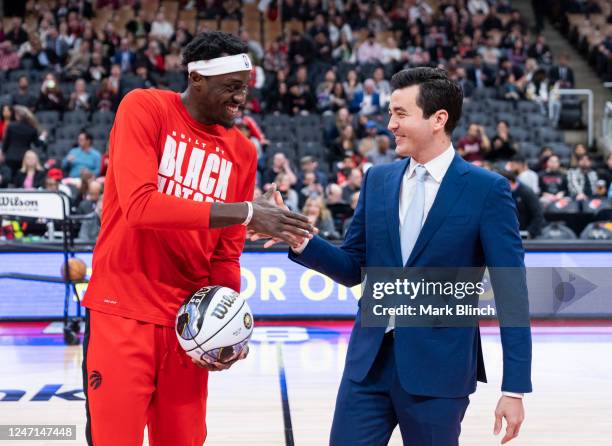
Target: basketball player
178	201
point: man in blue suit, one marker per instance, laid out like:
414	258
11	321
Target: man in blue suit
431	209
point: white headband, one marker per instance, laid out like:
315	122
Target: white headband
221	65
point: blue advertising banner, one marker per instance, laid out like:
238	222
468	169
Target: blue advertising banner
273	285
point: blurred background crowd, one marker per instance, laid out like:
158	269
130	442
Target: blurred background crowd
319	94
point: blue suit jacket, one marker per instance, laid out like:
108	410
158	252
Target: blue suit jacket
472	223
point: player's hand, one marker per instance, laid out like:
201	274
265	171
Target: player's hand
253	236
512	410
270	219
219	366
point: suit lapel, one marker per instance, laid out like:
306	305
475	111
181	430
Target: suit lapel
392	187
450	189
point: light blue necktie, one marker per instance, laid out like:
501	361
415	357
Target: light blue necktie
413	218
413	221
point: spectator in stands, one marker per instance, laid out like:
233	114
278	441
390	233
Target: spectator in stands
528	208
310	187
540	51
275	58
56	47
8	116
368	141
80	99
345	143
139	26
5	172
367	101
309	164
479	74
106	99
352	185
370	51
490	53
124	56
91	204
518	165
321	217
351	84
538	89
578	151
146	81
97	69
19	136
338	29
9	58
382	87
382	153
475	144
301	48
31	175
324	91
283	186
23	96
510	89
343	51
51	96
79	61
553	181
17	35
502	145
280	163
298	100
601	189
172	60
518	55
84	156
562	72
337	98
505	70
161	28
582	180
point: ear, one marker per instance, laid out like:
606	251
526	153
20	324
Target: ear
197	80
439	119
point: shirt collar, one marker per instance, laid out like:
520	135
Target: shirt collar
437	167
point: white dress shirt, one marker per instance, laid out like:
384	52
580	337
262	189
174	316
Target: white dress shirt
436	169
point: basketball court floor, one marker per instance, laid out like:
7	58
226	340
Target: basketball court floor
284	392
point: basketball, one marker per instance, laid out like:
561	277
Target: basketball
77	269
214	324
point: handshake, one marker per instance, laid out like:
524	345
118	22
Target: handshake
274	222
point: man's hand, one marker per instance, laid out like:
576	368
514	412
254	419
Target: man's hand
512	410
218	366
253	236
270	219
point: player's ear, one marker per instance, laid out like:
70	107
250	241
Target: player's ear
197	80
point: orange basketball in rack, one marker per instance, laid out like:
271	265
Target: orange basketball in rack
77	269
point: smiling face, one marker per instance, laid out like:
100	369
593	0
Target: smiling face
412	131
219	98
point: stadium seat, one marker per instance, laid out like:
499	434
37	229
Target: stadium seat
75	118
529	149
68	132
528	107
557	231
312	148
102	117
49	118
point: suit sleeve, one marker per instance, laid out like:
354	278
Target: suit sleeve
504	255
343	264
225	261
135	163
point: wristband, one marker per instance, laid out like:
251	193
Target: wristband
249	216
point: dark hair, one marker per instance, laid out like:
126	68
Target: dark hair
211	44
579	158
87	134
510	176
519	159
436	92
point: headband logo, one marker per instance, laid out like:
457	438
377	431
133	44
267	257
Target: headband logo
247	62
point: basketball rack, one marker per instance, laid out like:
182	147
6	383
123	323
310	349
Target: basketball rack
53	206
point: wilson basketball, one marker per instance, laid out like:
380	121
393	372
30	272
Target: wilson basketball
77	269
214	324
